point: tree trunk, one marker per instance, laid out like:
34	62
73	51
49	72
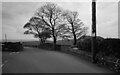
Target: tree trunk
54	42
75	39
54	39
42	41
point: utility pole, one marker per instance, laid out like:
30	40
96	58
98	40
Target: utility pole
93	31
5	38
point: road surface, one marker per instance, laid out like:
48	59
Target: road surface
33	60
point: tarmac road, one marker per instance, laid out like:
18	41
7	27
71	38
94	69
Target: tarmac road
33	60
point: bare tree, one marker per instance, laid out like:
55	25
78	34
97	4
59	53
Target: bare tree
36	27
59	22
51	15
74	26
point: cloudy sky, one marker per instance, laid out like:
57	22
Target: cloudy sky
16	14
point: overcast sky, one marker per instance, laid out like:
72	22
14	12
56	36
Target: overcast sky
16	14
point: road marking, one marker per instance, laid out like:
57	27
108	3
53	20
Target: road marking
1	65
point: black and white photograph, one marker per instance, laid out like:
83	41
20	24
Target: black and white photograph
59	36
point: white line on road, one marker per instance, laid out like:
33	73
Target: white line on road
1	65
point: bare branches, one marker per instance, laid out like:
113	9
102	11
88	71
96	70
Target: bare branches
58	22
50	14
75	26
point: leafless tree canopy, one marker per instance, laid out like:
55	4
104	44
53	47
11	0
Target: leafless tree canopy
59	22
75	26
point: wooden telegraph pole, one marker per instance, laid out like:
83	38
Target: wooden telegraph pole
5	38
93	31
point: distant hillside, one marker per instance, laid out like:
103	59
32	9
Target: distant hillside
60	42
18	40
30	43
65	42
90	37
